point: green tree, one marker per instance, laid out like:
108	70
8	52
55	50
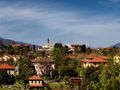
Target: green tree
68	69
83	48
10	50
58	54
5	78
26	69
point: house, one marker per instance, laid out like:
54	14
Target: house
76	48
8	68
36	82
116	59
95	61
44	65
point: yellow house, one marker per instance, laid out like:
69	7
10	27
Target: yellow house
116	59
94	61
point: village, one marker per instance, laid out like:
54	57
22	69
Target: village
59	44
57	67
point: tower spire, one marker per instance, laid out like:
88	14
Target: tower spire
48	40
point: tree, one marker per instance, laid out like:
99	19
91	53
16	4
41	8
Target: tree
26	69
66	49
10	50
5	78
83	48
69	68
58	54
91	74
58	45
103	78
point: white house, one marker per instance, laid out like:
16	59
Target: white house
10	69
36	82
44	65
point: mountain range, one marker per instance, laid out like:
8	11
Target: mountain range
117	45
7	42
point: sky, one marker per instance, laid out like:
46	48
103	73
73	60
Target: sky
92	22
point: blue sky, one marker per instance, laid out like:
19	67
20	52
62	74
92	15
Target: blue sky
93	22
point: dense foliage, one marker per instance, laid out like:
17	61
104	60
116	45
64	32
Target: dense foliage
5	78
100	78
26	69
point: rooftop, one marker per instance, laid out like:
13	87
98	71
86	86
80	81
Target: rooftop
42	60
6	66
35	77
95	59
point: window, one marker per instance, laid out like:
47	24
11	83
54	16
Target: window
8	72
31	81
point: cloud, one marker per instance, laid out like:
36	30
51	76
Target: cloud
27	22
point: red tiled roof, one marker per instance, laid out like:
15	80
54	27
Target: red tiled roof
101	60
35	77
104	57
43	60
94	55
6	66
95	60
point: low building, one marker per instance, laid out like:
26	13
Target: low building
116	59
95	61
8	68
36	82
44	65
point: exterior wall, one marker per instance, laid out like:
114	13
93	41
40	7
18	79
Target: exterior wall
36	83
44	68
11	72
85	65
53	66
96	64
116	59
38	69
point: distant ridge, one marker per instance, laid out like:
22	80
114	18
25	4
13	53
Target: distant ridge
117	45
8	42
